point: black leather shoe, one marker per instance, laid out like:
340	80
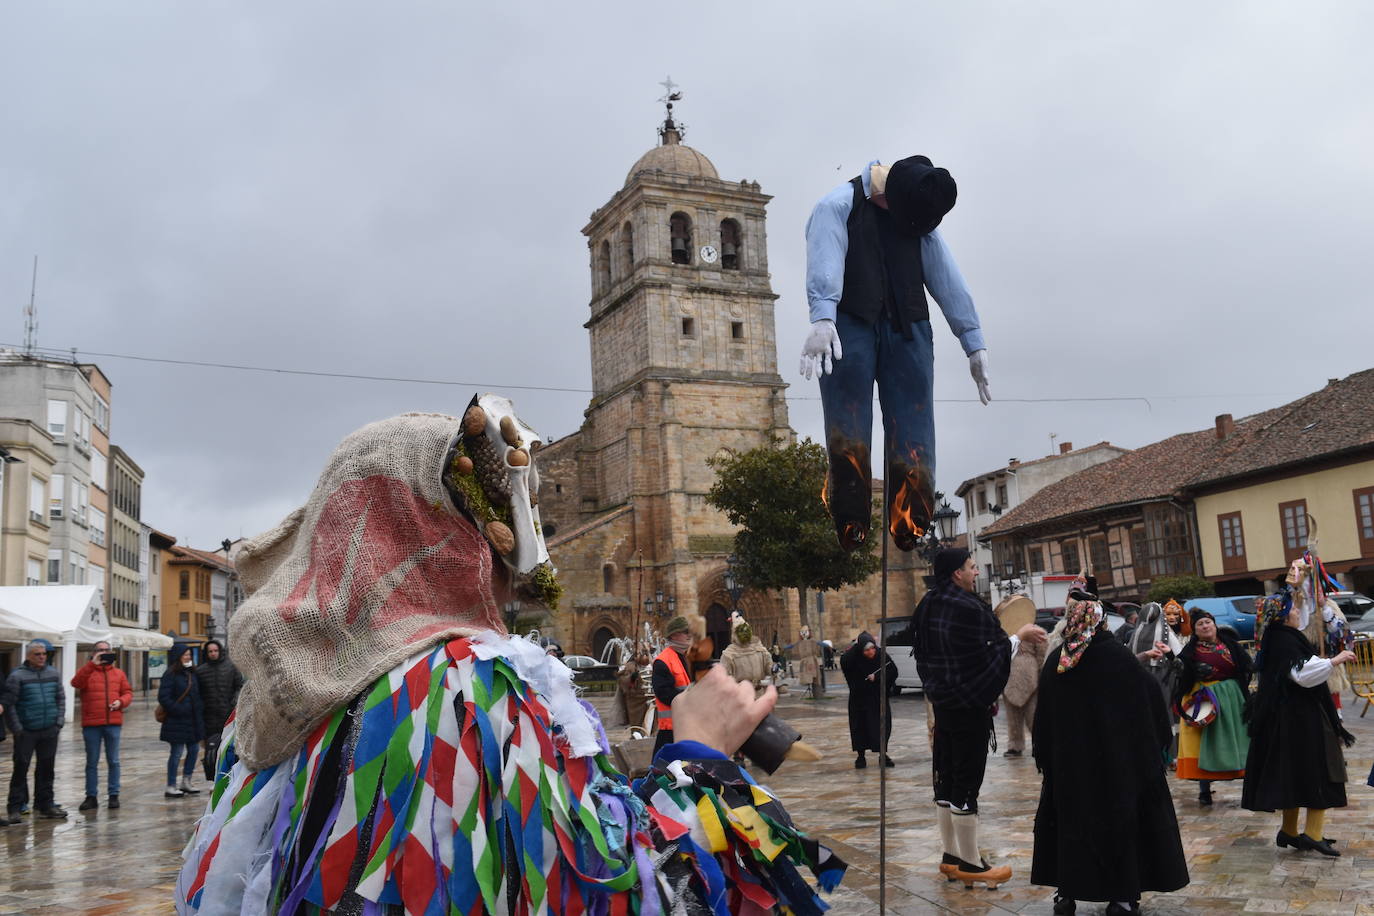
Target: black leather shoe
1282	839
887	761
54	813
5	822
1305	842
113	802
88	804
860	762
1204	799
1063	906
1115	907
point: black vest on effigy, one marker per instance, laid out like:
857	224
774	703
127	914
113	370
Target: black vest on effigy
883	275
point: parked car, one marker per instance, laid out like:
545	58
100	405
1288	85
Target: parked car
898	641
579	661
1353	605
1236	612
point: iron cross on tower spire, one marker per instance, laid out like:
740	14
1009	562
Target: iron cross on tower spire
671	132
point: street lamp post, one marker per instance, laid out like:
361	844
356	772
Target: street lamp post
941	534
512	613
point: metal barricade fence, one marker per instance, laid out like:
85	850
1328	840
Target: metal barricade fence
1361	673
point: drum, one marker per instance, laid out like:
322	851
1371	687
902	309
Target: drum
1015	612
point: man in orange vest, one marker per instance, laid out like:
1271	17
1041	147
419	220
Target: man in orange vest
670	676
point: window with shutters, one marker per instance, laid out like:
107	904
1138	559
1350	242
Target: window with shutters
1101	560
1068	557
1293	525
1364	520
1232	543
57	419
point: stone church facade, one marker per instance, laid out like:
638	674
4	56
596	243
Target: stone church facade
684	367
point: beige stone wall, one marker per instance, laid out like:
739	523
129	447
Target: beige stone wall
626	495
21	537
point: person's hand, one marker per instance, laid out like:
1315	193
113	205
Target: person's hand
1342	657
1030	634
978	368
822	345
1154	654
114	704
720	712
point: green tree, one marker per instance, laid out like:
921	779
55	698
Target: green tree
786	537
1180	588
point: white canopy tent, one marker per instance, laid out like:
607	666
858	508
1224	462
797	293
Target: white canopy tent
69	616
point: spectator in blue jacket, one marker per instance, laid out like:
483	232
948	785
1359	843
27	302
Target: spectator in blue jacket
183	725
35	706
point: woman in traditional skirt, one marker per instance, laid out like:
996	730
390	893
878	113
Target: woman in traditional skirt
1295	758
1213	750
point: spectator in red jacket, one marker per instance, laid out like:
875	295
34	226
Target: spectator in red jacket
105	693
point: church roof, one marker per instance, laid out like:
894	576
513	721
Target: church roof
675	157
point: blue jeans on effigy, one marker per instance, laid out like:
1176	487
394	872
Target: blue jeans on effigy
904	371
95	736
175	757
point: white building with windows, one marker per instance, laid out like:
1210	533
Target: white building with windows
69	402
989	496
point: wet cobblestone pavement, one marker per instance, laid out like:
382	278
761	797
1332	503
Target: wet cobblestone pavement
125	862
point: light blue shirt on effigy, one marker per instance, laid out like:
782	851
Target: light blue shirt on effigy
827	243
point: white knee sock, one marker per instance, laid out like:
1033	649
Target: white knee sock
966	838
946	822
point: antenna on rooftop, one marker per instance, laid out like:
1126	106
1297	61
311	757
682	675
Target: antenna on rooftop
31	315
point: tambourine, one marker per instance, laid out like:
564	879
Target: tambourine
1014	613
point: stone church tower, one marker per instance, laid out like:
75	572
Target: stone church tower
684	367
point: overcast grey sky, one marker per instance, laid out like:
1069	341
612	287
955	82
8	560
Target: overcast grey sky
1173	202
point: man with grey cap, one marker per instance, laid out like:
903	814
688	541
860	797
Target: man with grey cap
670	676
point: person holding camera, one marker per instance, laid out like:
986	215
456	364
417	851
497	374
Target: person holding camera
105	694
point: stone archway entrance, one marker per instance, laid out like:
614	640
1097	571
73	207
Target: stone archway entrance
600	637
718	626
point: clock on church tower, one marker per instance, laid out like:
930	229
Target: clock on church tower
684	365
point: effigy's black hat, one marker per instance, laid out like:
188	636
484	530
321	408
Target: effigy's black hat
919	194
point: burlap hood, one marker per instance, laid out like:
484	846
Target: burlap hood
377	565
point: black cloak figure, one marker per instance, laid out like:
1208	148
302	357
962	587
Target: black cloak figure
865	710
1295	756
1105	829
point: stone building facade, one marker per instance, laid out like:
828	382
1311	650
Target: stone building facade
684	368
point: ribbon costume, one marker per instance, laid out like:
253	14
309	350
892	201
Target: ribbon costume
395	753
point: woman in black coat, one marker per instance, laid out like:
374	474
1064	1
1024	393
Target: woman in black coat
184	724
870	722
1105	828
1295	758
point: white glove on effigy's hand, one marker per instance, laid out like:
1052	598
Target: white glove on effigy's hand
822	345
978	368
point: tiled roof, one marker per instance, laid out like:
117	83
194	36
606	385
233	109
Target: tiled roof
1152	472
1336	419
202	557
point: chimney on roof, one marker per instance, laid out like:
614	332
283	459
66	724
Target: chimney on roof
1225	426
1065	448
1332	381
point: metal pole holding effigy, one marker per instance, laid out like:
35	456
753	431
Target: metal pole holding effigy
882	703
